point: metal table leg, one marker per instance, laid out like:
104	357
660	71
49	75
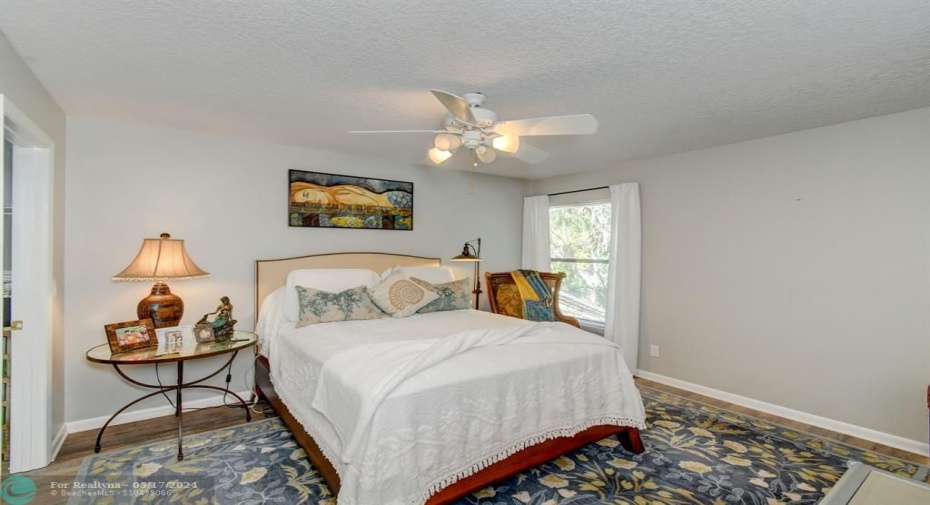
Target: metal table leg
120	411
179	401
178	404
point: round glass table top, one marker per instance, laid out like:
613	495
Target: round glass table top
165	352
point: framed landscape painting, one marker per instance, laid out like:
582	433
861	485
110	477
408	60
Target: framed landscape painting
318	200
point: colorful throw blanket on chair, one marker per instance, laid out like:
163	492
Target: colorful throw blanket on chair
535	295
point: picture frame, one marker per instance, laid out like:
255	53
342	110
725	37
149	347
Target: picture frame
204	333
168	348
321	200
131	335
175	334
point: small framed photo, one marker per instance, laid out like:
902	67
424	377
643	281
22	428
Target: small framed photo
175	335
204	333
131	335
168	348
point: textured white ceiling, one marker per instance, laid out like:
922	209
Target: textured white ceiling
660	76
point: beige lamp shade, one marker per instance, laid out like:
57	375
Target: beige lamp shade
161	259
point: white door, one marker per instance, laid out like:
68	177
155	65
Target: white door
33	291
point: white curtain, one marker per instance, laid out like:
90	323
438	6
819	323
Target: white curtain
536	233
623	273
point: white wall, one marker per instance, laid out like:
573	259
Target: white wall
793	269
21	87
227	198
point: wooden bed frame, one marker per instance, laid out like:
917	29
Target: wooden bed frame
271	274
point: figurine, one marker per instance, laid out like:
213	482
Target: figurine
223	324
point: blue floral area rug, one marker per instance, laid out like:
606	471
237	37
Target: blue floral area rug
246	464
695	454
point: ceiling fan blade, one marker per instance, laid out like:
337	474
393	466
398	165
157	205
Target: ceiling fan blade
530	154
579	124
398	131
456	105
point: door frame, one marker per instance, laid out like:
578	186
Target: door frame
31	395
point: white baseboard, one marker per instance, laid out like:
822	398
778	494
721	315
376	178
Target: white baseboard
58	441
905	444
140	415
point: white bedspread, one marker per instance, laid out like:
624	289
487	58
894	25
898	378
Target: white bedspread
459	400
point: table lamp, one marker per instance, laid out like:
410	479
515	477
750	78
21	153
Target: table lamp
470	253
159	260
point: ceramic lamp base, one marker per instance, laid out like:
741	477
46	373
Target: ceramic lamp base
161	306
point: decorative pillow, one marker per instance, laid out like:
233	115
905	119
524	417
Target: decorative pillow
332	280
400	297
317	306
455	295
436	275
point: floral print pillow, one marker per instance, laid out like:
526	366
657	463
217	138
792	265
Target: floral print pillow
453	295
317	306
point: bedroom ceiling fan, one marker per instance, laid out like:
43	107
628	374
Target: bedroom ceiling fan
469	125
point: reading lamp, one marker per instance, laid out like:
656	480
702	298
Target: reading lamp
470	253
159	260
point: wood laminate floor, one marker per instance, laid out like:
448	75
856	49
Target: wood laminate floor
77	446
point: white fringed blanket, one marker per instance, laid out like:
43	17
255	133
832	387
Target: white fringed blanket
403	408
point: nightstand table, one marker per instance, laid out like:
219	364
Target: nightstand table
187	351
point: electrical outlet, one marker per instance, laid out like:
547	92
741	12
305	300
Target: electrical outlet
654	351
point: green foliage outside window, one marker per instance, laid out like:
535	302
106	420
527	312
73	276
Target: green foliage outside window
581	234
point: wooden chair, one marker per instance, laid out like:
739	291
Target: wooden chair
505	298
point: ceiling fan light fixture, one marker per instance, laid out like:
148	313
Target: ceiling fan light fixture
437	156
486	155
447	142
506	143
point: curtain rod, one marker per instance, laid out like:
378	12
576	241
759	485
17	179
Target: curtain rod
577	191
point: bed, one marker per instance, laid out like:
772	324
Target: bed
428	437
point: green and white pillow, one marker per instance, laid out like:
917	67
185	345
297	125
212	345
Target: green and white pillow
399	296
455	295
317	306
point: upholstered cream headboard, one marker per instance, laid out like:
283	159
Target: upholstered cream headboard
272	274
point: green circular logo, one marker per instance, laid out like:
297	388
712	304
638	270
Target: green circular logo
18	490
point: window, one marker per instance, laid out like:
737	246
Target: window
579	244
